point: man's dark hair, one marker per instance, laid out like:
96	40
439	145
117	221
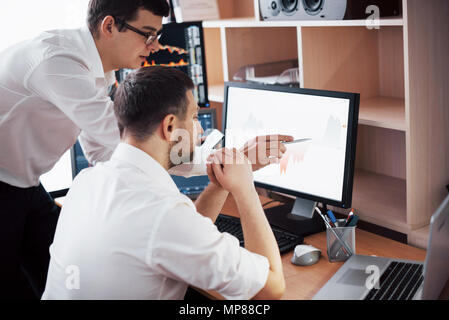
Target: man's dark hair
122	9
147	96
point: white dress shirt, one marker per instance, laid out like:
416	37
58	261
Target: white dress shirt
52	90
126	232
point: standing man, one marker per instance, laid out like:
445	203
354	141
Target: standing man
53	90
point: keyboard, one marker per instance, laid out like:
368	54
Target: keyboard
400	281
286	241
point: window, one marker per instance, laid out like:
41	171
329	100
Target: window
24	19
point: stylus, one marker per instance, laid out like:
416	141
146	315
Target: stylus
297	141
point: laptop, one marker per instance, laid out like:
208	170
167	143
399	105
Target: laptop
399	279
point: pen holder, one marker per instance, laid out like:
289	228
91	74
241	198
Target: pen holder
340	242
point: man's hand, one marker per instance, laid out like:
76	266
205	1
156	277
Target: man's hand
210	171
230	170
264	150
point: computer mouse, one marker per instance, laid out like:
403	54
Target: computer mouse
305	255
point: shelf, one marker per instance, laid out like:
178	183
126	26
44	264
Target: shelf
216	93
251	22
419	238
380	200
383	112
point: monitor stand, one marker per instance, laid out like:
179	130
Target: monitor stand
303	209
296	217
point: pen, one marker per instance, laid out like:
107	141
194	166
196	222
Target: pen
331	216
297	141
349	217
329	222
323	217
353	221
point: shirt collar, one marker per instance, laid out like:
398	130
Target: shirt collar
143	161
92	53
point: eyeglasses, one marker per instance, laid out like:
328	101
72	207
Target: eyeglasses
150	36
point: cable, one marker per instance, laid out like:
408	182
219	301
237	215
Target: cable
265	204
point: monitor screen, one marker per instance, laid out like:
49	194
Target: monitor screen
79	161
320	168
182	47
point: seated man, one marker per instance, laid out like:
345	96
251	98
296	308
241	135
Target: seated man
126	232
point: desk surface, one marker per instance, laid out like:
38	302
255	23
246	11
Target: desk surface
305	282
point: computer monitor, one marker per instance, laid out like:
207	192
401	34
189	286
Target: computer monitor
193	186
79	161
182	47
59	179
319	169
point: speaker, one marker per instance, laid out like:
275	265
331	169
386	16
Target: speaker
325	9
302	9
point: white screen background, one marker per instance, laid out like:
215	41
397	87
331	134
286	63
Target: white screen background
315	167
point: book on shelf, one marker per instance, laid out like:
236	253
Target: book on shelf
195	10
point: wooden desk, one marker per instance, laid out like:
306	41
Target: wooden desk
305	282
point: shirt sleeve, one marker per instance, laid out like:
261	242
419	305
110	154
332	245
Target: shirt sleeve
188	247
68	84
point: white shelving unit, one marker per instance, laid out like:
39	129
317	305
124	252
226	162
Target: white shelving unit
253	23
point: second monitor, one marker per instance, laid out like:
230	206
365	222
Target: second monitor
182	46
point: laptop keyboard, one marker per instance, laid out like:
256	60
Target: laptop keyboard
400	281
286	241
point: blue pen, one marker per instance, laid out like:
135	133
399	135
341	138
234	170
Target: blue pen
331	216
330	222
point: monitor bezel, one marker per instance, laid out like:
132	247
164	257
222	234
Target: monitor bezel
183	25
353	115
